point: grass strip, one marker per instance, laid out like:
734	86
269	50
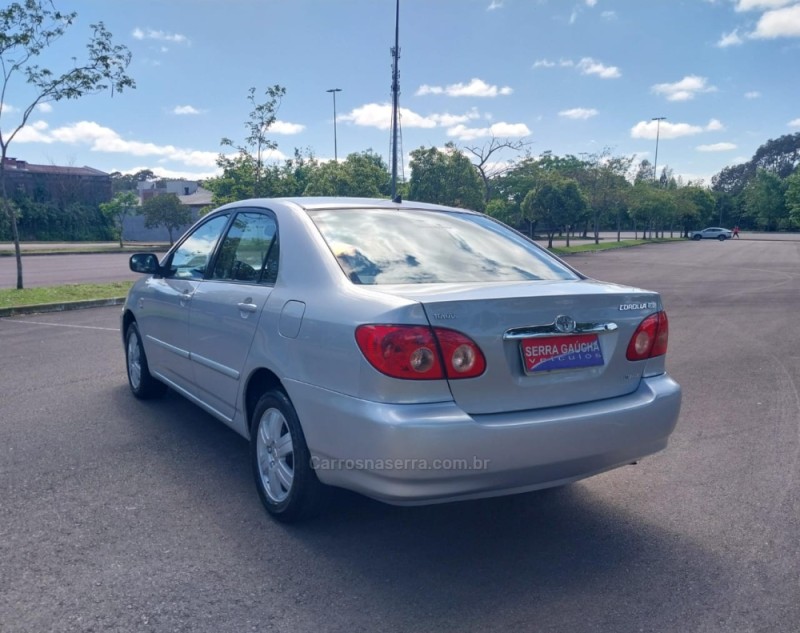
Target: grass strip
13	298
604	246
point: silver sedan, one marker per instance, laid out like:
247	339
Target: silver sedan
711	233
411	352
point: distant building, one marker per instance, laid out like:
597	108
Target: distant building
189	192
63	185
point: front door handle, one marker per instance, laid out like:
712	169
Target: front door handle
186	297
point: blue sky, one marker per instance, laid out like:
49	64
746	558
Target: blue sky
569	76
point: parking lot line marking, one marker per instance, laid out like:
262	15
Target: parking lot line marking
82	327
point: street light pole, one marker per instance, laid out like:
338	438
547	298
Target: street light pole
333	91
658	120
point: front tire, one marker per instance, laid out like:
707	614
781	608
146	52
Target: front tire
286	482
140	380
722	238
696	236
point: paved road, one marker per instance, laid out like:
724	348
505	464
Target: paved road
51	270
117	515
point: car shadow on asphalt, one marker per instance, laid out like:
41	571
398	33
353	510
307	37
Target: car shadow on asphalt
548	550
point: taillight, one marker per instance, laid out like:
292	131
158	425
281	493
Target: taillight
650	338
462	357
415	352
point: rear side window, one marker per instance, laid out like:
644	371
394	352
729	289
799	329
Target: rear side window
383	246
245	249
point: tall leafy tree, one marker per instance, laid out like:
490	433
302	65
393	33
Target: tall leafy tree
764	199
166	210
792	197
243	173
556	204
445	177
122	205
27	30
362	174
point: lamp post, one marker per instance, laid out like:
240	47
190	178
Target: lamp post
658	120
333	91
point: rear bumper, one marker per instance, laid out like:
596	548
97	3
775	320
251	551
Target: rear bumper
426	453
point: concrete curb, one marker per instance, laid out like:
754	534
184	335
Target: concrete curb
61	307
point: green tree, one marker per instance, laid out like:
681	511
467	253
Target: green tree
792	196
445	177
166	210
362	174
556	203
764	200
244	173
118	208
129	182
27	30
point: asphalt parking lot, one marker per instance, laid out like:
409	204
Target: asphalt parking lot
118	515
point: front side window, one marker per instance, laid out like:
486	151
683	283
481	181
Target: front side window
245	249
191	258
387	246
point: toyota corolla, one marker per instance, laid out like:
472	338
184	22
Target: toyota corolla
411	352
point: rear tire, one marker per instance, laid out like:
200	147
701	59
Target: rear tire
286	482
722	238
140	380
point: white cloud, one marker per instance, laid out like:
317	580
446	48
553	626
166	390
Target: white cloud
609	15
504	130
475	88
716	147
730	39
46	108
186	109
494	4
284	127
35	132
161	36
7	108
794	123
685	89
162	172
103	139
667	130
588	66
753	94
591	3
761	5
578	113
379	115
778	23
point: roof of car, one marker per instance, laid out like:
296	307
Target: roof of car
329	203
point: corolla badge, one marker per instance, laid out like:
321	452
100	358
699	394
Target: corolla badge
564	324
648	305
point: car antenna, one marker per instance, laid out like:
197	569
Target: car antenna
395	99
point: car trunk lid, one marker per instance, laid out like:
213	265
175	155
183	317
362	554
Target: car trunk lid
546	344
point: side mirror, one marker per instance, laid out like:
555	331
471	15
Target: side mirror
146	263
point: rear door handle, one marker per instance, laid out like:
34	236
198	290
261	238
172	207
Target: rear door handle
247	307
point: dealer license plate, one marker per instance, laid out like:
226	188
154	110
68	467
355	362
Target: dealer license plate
571	351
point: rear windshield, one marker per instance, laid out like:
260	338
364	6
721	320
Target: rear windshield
387	246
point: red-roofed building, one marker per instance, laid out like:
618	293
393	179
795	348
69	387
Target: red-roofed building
55	183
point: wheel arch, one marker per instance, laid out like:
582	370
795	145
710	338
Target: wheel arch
127	319
259	382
